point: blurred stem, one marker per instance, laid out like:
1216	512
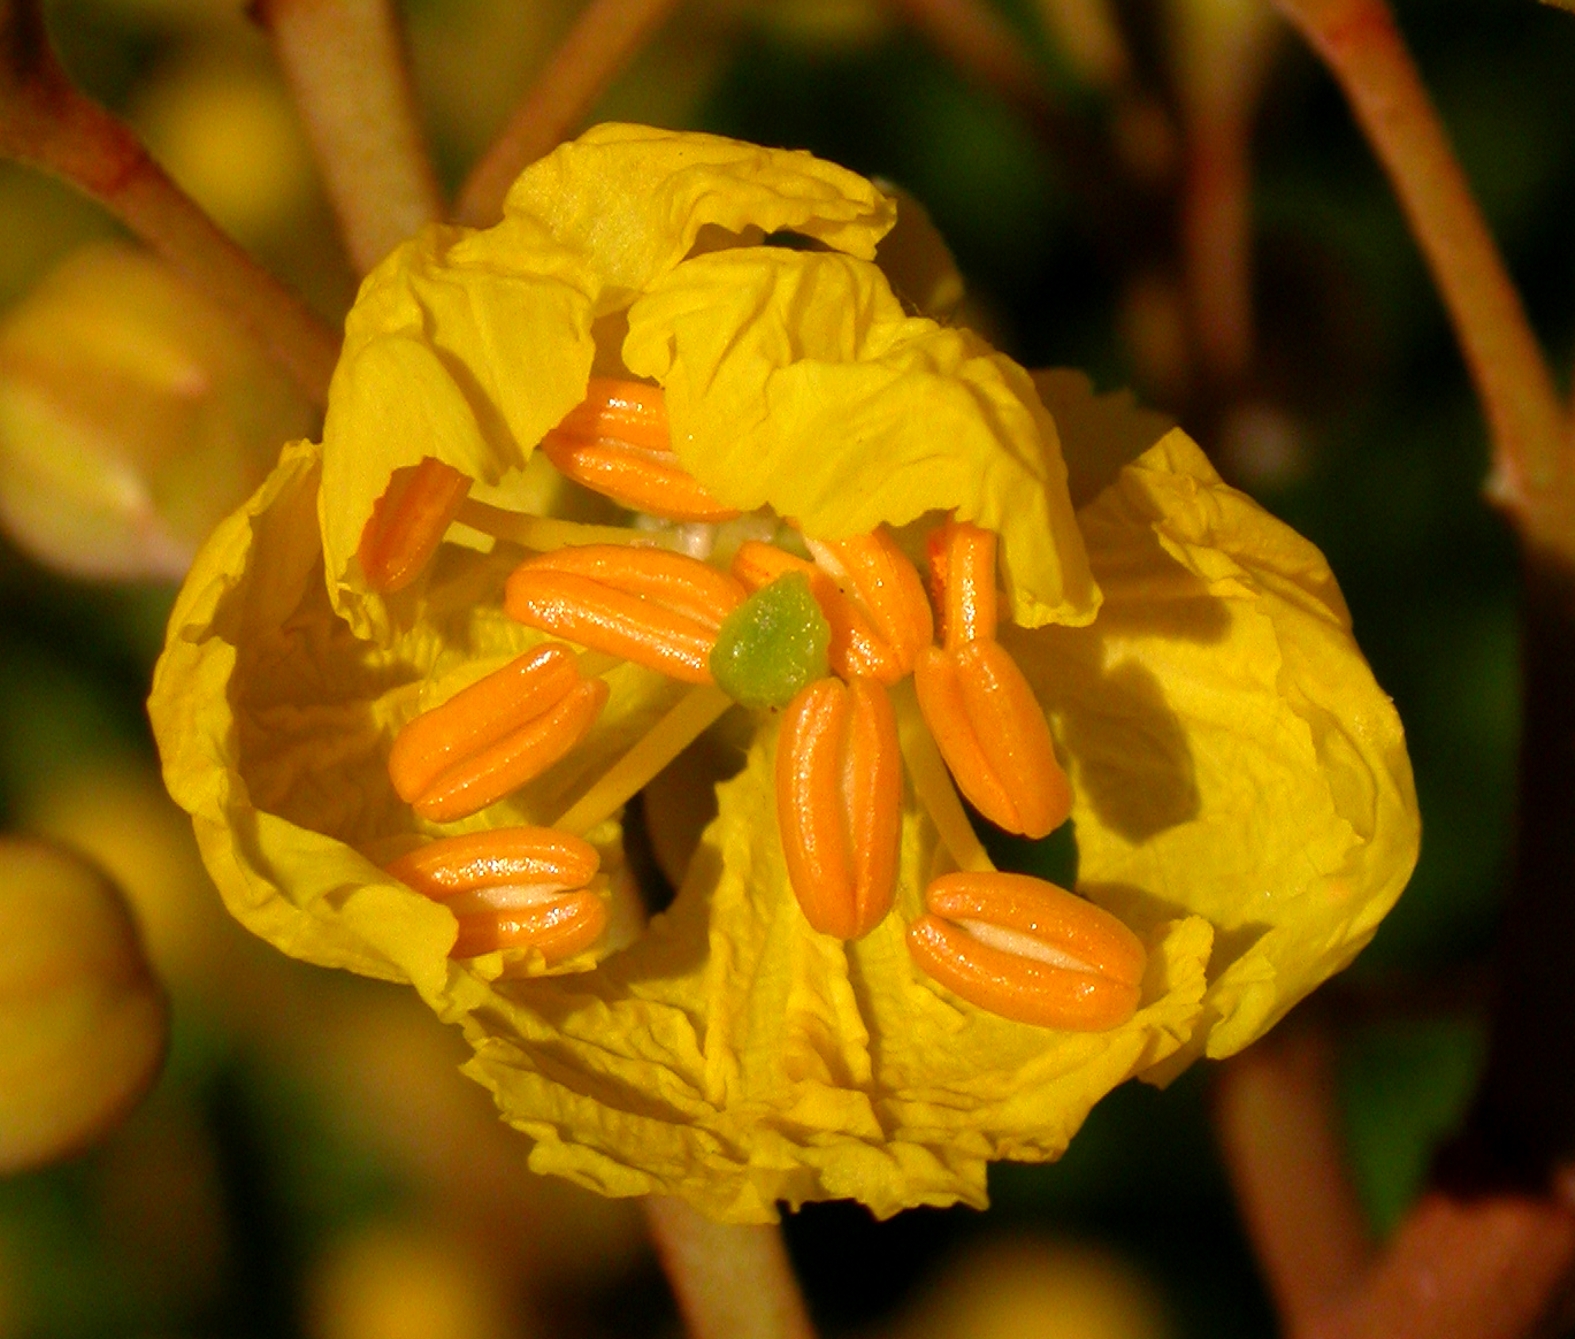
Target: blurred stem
1276	1117
1221	51
1358	41
47	123
345	63
1487	1265
605	37
731	1281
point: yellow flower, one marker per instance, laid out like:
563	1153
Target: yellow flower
1239	785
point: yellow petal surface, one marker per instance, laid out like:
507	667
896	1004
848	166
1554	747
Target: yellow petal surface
276	723
1230	753
637	199
797	379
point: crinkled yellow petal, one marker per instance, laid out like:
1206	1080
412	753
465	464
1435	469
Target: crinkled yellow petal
276	722
796	379
738	1058
1230	754
466	347
635	199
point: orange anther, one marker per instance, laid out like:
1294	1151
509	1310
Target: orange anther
617	443
858	649
494	736
993	736
1029	951
839	797
652	606
962	579
877	574
409	521
512	887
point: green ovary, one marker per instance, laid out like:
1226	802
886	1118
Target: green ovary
772	645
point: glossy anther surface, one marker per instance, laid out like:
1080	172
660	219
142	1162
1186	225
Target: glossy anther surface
857	649
962	581
512	887
652	606
839	796
1029	951
879	577
992	733
408	523
494	736
617	443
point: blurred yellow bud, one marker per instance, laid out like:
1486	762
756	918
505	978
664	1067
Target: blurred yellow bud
134	415
120	816
224	128
1028	1289
83	1023
396	1282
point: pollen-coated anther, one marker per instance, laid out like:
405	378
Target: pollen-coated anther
408	523
511	888
1029	951
494	736
617	443
652	606
839	797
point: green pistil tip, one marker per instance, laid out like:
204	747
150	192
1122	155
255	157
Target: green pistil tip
772	645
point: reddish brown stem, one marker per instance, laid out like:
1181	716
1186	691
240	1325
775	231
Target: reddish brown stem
1276	1117
46	122
1358	41
345	63
731	1281
605	37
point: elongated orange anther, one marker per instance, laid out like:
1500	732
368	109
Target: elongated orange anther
512	887
617	443
962	580
878	576
1029	951
652	606
494	736
993	735
408	523
839	798
857	648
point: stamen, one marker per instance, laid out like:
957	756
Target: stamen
993	736
617	442
839	797
408	523
510	888
877	574
656	608
494	736
1029	951
933	785
546	533
857	649
962	580
695	713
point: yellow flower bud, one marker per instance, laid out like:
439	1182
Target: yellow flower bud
134	415
83	1023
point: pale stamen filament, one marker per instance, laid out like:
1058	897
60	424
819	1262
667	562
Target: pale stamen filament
932	783
691	717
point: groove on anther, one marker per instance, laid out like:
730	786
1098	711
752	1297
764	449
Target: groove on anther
654	607
617	442
494	736
839	796
408	523
512	887
962	580
1029	951
992	733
